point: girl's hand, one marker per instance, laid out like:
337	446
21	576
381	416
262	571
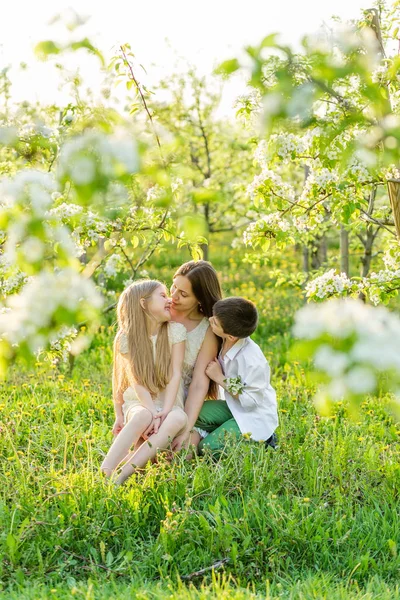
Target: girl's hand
118	425
162	415
152	428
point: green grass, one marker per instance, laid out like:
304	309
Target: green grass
316	519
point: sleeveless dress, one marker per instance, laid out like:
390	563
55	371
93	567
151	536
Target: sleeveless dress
194	341
176	333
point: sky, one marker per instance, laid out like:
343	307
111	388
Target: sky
161	33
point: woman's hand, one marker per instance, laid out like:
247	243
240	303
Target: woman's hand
118	425
181	441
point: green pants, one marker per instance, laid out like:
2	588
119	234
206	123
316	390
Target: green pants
216	418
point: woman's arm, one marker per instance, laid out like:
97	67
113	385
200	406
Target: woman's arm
171	391
199	386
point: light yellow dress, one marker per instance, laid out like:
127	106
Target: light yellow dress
176	333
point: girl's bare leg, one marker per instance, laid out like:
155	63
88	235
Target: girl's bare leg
130	434
174	422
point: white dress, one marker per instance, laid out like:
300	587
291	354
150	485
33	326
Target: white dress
194	341
176	333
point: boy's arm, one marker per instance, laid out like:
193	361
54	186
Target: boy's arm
253	380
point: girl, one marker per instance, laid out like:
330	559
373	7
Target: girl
147	386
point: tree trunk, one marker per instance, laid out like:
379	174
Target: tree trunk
306	259
394	196
366	259
323	250
318	252
204	248
344	250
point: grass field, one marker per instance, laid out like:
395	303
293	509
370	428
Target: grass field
317	518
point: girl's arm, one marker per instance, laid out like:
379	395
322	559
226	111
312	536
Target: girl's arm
120	383
145	398
199	387
171	391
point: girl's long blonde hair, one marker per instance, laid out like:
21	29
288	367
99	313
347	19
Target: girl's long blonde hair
133	321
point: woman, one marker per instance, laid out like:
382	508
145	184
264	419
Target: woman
194	291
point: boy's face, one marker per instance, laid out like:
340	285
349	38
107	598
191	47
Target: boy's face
216	327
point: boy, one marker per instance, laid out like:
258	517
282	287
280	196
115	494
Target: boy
242	370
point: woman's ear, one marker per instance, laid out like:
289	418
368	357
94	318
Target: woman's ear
143	303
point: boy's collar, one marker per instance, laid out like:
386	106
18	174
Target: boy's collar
235	348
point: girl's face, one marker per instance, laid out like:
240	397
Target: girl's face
182	297
158	305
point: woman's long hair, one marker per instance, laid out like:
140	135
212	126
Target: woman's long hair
207	289
133	321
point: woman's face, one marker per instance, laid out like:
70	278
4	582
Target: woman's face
158	305
182	296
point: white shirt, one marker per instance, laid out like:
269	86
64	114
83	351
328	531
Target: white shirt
256	409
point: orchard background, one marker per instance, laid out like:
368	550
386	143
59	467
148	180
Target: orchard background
297	204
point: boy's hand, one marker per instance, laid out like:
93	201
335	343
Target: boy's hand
214	371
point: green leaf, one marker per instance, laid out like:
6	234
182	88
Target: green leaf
87	45
227	67
269	40
45	49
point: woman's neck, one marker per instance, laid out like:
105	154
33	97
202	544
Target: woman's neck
189	315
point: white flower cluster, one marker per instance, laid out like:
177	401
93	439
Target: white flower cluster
30	130
261	153
88	227
66	211
11	278
270	180
114	265
28	189
304	223
288	143
272	222
60	344
357	171
156	193
379	74
328	284
357	342
377	285
391	258
33	311
322	177
94	156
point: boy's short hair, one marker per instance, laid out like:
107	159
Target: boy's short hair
237	316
